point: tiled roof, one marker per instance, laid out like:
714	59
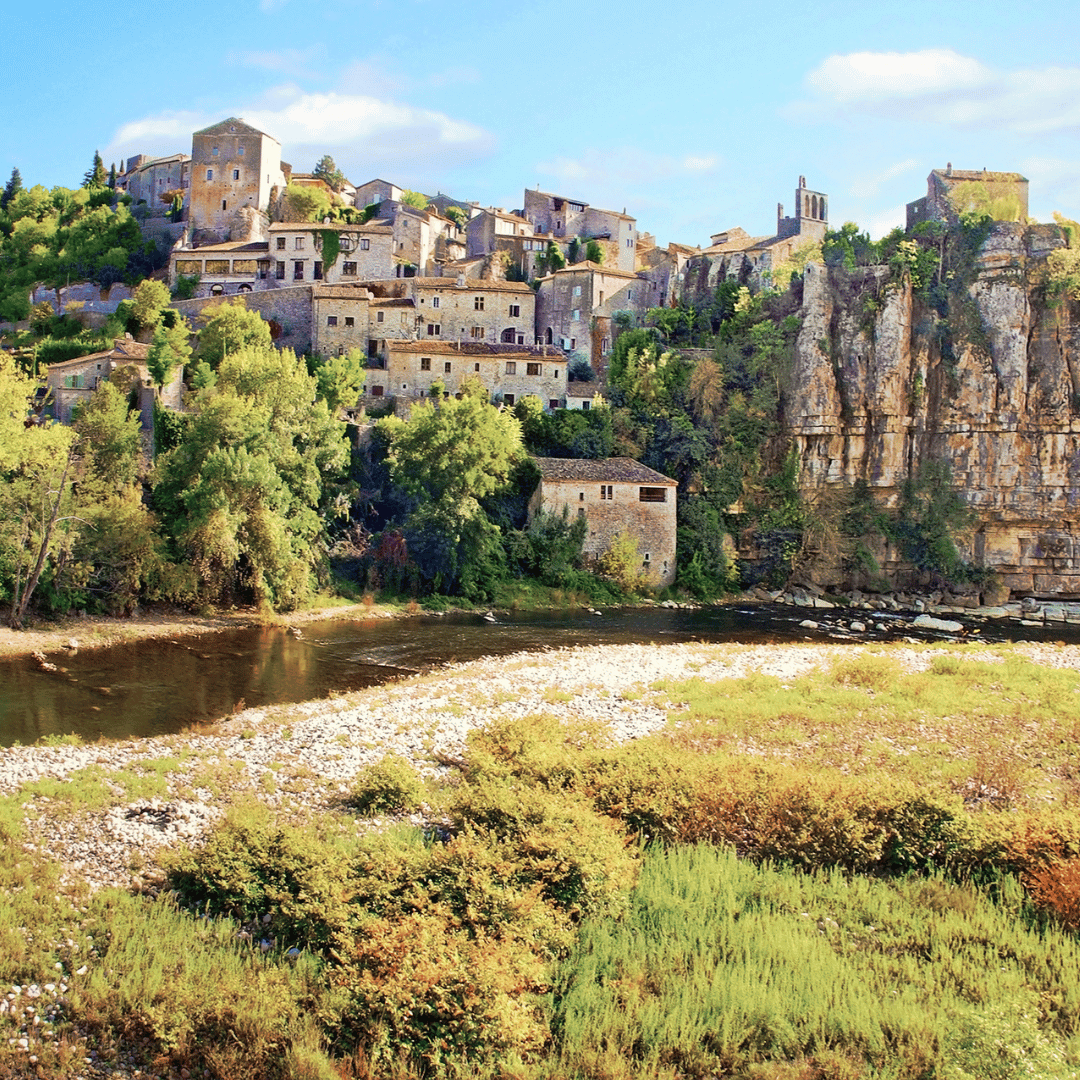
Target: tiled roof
584	389
601	471
472	284
979	174
337	226
233	126
596	268
135	351
231	247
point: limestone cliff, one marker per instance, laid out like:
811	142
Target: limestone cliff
876	390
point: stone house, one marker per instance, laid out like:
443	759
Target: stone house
508	372
568	218
370	315
495	230
576	307
146	179
233	165
614	494
72	382
942	184
377	191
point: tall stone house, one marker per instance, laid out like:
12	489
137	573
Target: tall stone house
147	179
233	165
938	204
613	495
567	219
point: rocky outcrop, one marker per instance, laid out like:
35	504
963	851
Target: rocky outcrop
881	385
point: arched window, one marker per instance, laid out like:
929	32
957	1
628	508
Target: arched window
821	207
806	211
813	207
508	336
217	290
244	288
547	336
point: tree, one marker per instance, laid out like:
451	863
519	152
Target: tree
11	188
594	253
149	301
304	202
96	175
415	199
327	171
112	176
168	351
340	379
457	216
230	328
556	260
109	432
245	493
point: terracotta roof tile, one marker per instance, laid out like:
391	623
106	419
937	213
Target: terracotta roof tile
601	471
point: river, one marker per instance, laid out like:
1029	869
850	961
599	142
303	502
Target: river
166	685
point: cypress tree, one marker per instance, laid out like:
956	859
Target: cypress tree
12	188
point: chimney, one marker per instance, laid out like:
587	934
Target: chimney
948	169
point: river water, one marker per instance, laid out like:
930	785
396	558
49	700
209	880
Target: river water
167	685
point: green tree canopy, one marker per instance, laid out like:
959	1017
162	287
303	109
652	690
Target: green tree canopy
243	495
95	176
327	171
149	302
11	188
230	328
304	202
416	199
168	351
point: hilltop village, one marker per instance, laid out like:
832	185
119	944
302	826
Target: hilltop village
872	378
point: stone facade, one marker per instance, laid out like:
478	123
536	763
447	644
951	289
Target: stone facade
72	382
232	165
568	218
377	191
290	309
147	179
508	372
364	252
881	400
614	494
942	184
575	307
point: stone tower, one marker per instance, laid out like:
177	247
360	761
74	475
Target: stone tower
811	214
233	165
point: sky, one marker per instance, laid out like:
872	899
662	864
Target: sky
694	115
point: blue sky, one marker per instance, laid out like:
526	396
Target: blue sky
693	116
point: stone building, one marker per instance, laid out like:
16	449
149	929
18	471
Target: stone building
377	191
567	218
613	495
437	309
945	187
72	382
495	230
576	307
736	255
147	179
508	372
233	165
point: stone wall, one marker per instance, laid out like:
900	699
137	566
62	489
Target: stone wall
290	308
872	402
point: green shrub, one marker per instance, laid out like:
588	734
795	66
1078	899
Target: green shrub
389	787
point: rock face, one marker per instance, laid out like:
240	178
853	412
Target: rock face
876	392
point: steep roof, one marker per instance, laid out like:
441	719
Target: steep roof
123	349
601	471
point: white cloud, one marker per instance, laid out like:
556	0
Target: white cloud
864	75
362	131
864	187
625	167
944	87
882	224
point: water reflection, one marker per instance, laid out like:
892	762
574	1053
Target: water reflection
154	687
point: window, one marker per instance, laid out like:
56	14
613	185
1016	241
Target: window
318	271
376	391
350	320
434	301
508	399
586	406
215	151
652	494
365	245
348	269
425	363
556	373
605	346
606	492
447	367
209	174
534	369
647	558
281	243
434	329
379	316
477	332
581	512
331	320
240	151
298	243
577	290
236	174
575	315
280	271
224	205
515	311
581	496
511	367
553	403
298	271
478	303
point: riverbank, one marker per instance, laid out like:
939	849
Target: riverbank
104	811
